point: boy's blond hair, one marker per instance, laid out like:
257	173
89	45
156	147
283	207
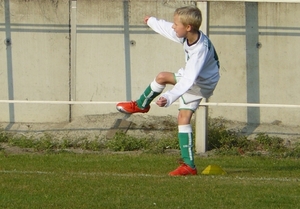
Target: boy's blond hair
190	15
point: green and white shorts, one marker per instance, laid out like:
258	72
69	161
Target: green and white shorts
192	98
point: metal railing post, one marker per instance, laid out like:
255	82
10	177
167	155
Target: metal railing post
201	129
202	112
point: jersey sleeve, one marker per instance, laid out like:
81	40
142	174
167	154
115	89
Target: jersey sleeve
191	73
163	28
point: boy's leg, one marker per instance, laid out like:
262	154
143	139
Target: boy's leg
152	91
142	105
185	136
186	140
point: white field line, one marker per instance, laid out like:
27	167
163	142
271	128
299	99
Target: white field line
133	175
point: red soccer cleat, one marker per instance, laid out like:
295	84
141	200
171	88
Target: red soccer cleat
131	107
183	170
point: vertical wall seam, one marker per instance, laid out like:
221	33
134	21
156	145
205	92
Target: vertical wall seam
10	80
127	49
73	45
252	61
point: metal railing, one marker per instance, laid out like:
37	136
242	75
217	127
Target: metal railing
201	114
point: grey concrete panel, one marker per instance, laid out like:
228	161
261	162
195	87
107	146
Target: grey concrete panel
117	56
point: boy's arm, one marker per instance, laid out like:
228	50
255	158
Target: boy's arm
162	27
192	70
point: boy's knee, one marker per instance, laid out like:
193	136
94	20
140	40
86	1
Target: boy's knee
164	78
160	78
184	117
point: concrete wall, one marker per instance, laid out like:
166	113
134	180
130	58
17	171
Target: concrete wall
35	66
257	44
117	56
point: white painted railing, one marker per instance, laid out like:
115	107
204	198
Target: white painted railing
201	114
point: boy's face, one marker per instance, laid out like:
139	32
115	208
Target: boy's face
179	28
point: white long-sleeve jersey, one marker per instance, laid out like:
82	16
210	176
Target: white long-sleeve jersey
202	64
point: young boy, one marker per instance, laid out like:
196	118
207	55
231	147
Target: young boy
195	81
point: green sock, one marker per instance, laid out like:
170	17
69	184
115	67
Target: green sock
147	97
186	148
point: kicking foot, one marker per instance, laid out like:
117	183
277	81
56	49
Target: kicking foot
131	107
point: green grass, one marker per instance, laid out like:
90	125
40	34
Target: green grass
261	173
139	180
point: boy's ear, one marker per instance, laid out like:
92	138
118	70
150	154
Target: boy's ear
188	28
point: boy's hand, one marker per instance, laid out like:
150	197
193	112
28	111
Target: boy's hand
146	19
161	101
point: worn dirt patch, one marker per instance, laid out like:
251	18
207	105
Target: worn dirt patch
96	126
